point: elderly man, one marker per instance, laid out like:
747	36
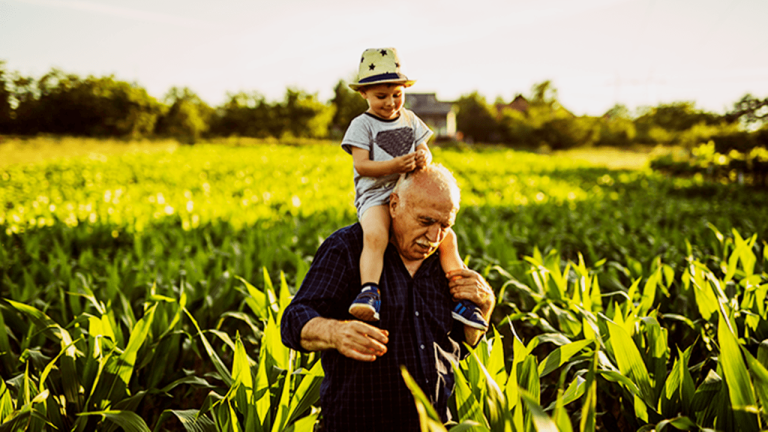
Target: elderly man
363	388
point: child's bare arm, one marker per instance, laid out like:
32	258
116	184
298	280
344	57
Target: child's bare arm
369	168
423	155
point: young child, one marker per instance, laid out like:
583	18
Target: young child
385	142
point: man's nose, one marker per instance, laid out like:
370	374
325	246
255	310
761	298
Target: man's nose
433	233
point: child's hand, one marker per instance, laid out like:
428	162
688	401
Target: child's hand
405	163
423	158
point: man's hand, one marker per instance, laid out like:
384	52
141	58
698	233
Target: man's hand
466	284
354	339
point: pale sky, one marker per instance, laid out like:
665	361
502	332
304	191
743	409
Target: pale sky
596	52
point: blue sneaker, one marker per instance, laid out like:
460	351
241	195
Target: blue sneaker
367	304
469	314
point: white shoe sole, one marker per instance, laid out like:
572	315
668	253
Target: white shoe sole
465	321
360	310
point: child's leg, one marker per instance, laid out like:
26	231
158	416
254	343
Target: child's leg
375	223
464	311
449	253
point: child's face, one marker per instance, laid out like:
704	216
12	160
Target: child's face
384	100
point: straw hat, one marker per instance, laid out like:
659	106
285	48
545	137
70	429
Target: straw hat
378	66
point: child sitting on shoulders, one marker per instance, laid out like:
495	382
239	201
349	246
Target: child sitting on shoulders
385	142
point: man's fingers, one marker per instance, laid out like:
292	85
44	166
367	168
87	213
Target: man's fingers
361	341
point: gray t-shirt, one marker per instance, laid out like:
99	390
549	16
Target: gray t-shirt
384	140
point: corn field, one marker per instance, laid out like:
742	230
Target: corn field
144	291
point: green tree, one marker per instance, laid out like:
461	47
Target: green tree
749	111
303	115
246	114
187	117
348	104
6	112
616	127
476	119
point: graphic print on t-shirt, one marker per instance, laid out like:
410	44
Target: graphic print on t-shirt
395	142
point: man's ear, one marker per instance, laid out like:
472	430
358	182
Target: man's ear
394	200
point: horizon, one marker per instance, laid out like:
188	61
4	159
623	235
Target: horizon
596	53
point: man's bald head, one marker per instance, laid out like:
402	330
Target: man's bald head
434	178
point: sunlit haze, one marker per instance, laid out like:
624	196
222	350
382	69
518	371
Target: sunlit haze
597	53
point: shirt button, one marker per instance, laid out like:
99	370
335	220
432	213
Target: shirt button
422	346
417	313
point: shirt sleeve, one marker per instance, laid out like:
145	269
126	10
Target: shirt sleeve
323	292
358	134
421	131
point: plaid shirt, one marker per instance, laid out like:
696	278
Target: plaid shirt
372	396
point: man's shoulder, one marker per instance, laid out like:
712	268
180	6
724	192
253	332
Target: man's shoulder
350	236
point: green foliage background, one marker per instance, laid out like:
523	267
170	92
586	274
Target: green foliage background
168	271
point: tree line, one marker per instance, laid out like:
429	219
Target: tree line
66	104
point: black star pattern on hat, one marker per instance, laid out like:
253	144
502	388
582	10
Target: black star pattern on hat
397	65
383	52
371	66
362	59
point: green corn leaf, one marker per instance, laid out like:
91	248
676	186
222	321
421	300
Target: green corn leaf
679	423
129	421
285	297
269	290
649	292
560	356
762	353
428	418
139	334
629	361
495	364
191	419
283	407
307	393
760	375
679	387
7	359
304	424
241	377
589	406
217	363
736	377
468	406
541	420
575	390
257	300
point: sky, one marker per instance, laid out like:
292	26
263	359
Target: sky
596	53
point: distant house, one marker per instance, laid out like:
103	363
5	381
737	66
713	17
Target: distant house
520	103
439	116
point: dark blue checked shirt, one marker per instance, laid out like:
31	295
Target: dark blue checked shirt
372	396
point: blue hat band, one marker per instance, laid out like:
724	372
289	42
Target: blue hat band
382	77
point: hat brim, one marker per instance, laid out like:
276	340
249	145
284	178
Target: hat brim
405	82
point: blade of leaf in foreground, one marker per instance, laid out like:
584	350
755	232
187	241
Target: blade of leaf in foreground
138	335
540	419
736	377
589	407
629	360
129	421
559	356
217	363
428	417
307	393
189	419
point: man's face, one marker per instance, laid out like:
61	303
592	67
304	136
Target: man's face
420	220
384	100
